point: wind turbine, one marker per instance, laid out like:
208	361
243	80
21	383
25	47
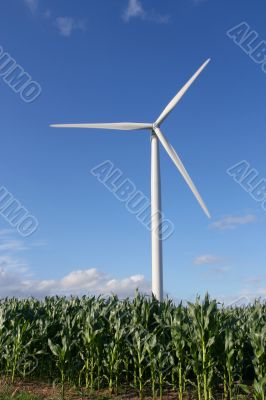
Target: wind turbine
156	137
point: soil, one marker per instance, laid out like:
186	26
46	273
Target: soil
53	392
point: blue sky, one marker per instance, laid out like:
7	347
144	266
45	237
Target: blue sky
120	60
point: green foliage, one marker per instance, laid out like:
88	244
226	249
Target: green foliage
200	347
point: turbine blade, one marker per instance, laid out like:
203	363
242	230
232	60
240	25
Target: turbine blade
180	94
178	163
123	126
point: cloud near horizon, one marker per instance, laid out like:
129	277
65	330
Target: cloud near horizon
79	282
17	280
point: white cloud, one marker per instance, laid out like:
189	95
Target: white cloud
89	281
10	263
12	245
32	5
232	222
10	248
135	10
66	25
17	280
8	244
207	259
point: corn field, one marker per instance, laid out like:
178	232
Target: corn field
202	349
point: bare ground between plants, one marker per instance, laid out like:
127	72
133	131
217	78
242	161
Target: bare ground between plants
50	391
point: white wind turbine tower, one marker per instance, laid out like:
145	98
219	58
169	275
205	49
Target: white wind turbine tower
156	136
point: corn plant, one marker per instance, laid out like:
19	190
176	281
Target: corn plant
91	338
258	343
138	351
60	352
107	343
177	321
115	349
203	332
17	345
